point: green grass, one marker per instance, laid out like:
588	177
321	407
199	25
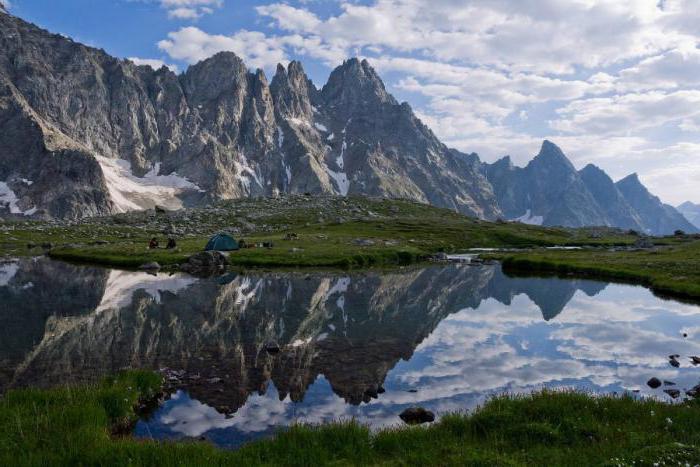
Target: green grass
76	426
402	232
672	270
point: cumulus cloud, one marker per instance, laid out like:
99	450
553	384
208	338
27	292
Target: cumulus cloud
190	9
191	45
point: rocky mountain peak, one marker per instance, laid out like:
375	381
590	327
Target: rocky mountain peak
631	183
552	156
293	91
356	86
594	173
504	162
206	80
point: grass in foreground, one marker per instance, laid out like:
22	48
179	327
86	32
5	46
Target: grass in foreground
73	426
672	270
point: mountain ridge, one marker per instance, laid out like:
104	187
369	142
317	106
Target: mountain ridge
89	134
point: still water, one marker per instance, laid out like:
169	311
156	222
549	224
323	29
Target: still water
363	346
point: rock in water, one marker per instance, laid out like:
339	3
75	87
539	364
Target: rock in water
654	383
205	263
417	416
152	266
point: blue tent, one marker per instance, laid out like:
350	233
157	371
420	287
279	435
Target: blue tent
221	242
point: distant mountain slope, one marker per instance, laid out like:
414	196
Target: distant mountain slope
691	212
618	211
656	216
550	191
547	191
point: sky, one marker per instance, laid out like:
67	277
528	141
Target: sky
614	83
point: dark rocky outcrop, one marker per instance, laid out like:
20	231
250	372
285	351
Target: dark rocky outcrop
417	416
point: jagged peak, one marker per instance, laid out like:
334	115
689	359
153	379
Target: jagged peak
633	183
631	178
688	205
594	170
504	161
356	75
550	153
223	61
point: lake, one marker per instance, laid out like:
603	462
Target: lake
245	355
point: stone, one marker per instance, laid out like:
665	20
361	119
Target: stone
417	416
205	263
654	383
152	266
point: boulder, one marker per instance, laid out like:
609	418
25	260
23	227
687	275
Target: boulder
205	263
152	266
417	416
654	383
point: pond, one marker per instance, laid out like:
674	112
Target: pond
245	355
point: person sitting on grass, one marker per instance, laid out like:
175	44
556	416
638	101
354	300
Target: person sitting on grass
171	244
153	244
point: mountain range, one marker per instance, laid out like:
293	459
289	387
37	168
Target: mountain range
691	212
87	134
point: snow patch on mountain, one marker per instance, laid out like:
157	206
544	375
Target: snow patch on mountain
10	201
528	218
129	192
244	172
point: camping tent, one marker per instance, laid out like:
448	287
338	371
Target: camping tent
221	242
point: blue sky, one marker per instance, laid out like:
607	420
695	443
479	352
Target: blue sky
613	83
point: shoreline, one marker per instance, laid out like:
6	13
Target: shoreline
86	424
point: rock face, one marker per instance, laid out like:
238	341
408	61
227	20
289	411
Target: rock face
691	212
656	216
88	134
550	191
617	210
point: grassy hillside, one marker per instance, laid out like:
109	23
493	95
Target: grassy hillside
77	426
332	232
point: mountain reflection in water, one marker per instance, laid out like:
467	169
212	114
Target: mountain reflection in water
363	345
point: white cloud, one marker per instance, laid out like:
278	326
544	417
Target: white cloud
190	9
191	44
622	114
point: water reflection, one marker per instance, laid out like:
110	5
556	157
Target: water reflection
361	345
